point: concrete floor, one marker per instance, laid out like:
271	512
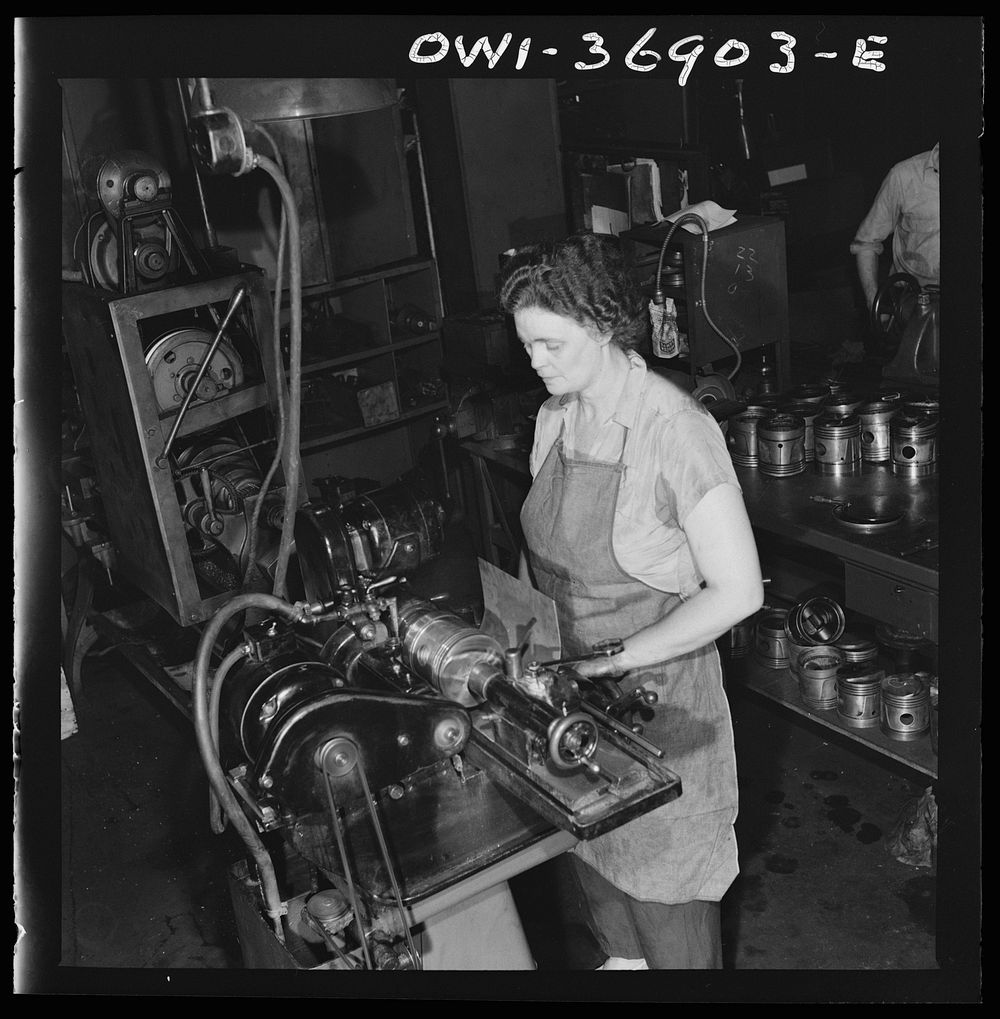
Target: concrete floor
820	907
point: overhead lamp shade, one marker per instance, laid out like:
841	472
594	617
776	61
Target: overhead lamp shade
269	99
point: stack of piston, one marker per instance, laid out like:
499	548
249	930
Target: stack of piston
835	431
813	628
858	682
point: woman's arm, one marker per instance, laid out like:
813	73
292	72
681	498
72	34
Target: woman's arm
725	554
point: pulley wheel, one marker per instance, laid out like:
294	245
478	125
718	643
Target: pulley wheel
102	253
173	361
714	389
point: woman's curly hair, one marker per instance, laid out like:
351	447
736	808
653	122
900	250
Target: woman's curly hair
583	278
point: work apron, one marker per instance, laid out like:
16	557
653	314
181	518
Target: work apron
685	849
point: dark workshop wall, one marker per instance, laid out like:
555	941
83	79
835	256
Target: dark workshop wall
491	149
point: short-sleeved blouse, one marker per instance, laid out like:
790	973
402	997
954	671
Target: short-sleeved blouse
674	455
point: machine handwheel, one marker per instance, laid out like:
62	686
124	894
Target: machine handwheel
889	302
572	740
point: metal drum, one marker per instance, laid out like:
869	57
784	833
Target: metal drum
771	647
742	436
905	713
858	696
815	621
817	676
875	417
781	445
913	443
837	438
808	412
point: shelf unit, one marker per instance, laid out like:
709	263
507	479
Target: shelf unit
370	369
781	687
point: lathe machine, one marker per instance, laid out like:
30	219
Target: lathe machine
389	752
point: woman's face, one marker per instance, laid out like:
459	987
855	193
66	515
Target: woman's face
567	357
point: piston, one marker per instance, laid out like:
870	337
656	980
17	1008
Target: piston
795	652
858	650
922	405
817	676
742	436
875	417
837	438
905	712
781	445
808	412
913	443
858	696
768	401
841	403
771	647
741	637
809	392
815	621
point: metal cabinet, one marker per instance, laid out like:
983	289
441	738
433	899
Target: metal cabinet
742	288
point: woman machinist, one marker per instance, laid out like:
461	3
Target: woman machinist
635	526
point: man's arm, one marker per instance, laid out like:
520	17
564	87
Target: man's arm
867	262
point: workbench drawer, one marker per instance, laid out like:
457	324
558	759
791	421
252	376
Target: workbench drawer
890	600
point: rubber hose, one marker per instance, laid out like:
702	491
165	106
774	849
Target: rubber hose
206	745
292	458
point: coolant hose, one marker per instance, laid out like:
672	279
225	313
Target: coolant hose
292	431
279	375
206	742
215	818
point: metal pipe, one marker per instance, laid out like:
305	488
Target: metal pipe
622	729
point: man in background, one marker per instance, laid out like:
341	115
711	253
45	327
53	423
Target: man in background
907	208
